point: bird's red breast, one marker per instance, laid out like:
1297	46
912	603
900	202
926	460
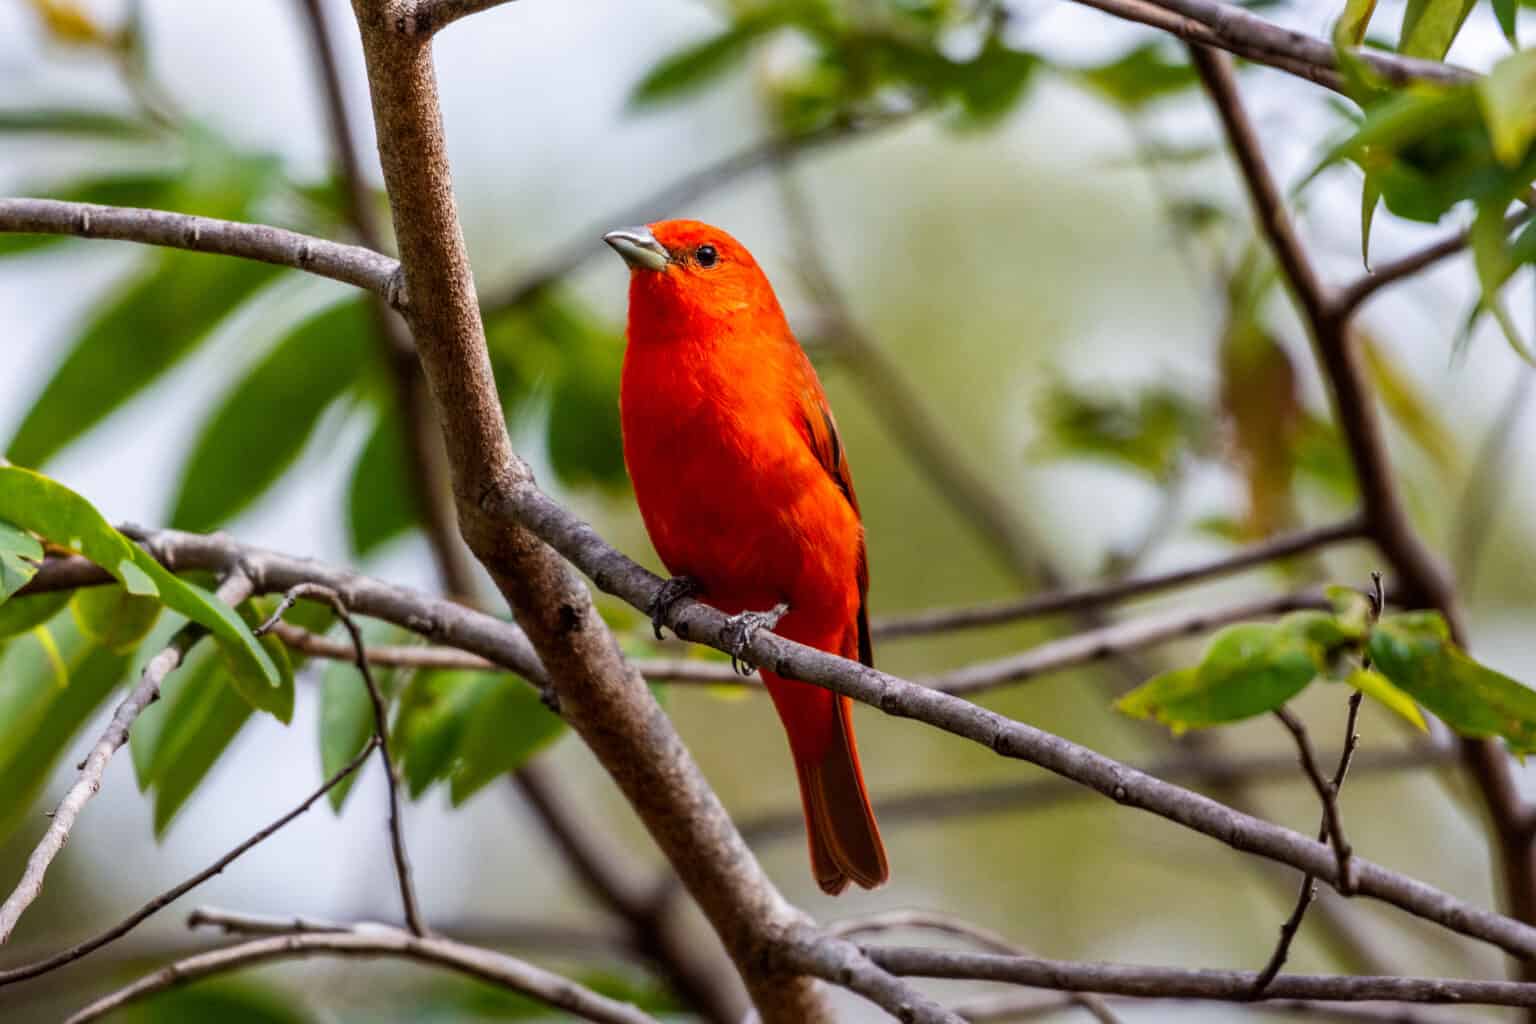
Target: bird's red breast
744	485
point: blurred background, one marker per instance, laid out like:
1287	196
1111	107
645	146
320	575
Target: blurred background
1053	255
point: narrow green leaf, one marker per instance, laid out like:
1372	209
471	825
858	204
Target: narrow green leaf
64	121
20	614
1414	651
434	713
1370	199
19	555
114	618
38	718
263	423
46	507
1507	11
1142	75
251	685
1351	610
346	711
698	64
1430	26
508	725
1350	29
1380	689
1409	407
134	338
1508	98
381	504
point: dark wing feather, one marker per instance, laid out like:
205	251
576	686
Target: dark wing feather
821	433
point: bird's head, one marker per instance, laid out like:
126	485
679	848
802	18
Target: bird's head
685	269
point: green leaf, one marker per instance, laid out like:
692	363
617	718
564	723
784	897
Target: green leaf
46	507
1150	432
508	725
381	504
138	335
252	685
1414	651
1141	76
20	614
262	425
1507	95
1409	407
1380	689
1351	610
38	717
222	1000
1507	12
177	740
1370	199
346	711
20	554
1248	669
1430	26
114	618
1261	401
1350	29
434	712
698	64
64	121
1494	260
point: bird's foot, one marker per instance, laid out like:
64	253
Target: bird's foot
742	627
671	592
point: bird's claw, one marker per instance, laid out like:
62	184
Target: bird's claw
742	627
672	591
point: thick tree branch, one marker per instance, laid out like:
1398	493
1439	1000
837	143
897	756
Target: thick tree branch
1185	983
373	941
64	957
603	699
426	17
1099	596
235	589
349	264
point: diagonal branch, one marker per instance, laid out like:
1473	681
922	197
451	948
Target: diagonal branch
236	588
937	620
68	956
349	264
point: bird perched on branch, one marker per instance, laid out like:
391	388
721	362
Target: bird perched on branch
745	491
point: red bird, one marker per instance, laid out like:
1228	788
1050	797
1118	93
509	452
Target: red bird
745	491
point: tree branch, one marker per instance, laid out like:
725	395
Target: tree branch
1084	598
235	589
603	699
325	595
349	264
1185	983
67	956
378	940
428	17
1422	579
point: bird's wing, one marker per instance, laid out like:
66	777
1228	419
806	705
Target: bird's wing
821	433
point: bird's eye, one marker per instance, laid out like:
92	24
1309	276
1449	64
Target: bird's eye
706	256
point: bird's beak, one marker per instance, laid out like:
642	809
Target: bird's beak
639	248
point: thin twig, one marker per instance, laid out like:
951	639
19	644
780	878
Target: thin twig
371	941
236	588
132	921
1353	296
1333	828
1083	598
318	592
1017	1007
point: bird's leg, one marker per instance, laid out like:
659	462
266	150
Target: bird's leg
741	627
671	592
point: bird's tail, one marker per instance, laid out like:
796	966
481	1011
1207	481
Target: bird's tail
839	822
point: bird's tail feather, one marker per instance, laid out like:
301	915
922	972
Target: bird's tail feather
839	822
